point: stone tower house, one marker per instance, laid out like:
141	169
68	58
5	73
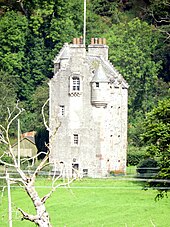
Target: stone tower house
88	98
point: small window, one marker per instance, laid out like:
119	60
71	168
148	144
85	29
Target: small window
75	139
85	172
97	84
76	83
62	110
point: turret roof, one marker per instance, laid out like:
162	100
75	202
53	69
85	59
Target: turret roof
100	75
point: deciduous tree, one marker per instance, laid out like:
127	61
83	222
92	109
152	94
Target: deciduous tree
156	137
132	47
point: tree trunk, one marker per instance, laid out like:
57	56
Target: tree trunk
42	217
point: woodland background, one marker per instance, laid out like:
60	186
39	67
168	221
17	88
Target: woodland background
33	31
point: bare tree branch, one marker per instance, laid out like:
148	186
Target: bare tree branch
27	216
27	179
153	223
22	7
44	120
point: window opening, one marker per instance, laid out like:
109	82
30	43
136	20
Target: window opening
97	84
62	110
75	139
76	84
75	168
85	172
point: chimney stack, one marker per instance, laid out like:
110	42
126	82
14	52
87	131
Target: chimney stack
98	47
78	41
100	41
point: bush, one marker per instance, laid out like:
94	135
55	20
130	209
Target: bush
135	155
5	158
148	168
2	184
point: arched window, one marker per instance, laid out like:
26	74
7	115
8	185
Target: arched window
76	84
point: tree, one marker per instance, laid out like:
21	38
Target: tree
132	46
8	96
156	137
158	14
27	178
32	118
13	27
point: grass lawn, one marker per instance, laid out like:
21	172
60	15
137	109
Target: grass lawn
94	203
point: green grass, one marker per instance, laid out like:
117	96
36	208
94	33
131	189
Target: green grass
94	203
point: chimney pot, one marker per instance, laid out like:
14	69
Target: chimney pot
81	39
100	41
96	40
74	40
92	41
78	41
104	41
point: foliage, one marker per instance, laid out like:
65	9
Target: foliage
135	126
135	155
158	14
132	46
7	95
32	118
32	33
147	168
6	158
104	7
156	136
13	30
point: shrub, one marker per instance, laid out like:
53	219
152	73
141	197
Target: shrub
147	168
5	158
135	155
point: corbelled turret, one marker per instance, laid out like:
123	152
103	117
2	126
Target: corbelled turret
99	88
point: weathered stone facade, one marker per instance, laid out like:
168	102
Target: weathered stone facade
89	98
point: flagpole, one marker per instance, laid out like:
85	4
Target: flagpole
19	152
84	35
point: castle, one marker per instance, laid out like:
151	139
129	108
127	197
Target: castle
88	107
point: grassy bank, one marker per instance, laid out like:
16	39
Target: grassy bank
94	203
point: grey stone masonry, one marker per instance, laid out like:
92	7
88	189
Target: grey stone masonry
88	111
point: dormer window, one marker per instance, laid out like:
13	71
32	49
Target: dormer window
75	86
76	83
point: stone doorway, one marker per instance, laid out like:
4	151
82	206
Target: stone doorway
75	169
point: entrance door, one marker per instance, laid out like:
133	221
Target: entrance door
75	169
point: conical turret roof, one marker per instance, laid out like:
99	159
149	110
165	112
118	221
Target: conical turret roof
100	75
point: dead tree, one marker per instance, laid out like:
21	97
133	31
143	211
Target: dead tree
27	180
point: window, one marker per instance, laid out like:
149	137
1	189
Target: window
85	172
97	84
75	139
62	110
76	84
